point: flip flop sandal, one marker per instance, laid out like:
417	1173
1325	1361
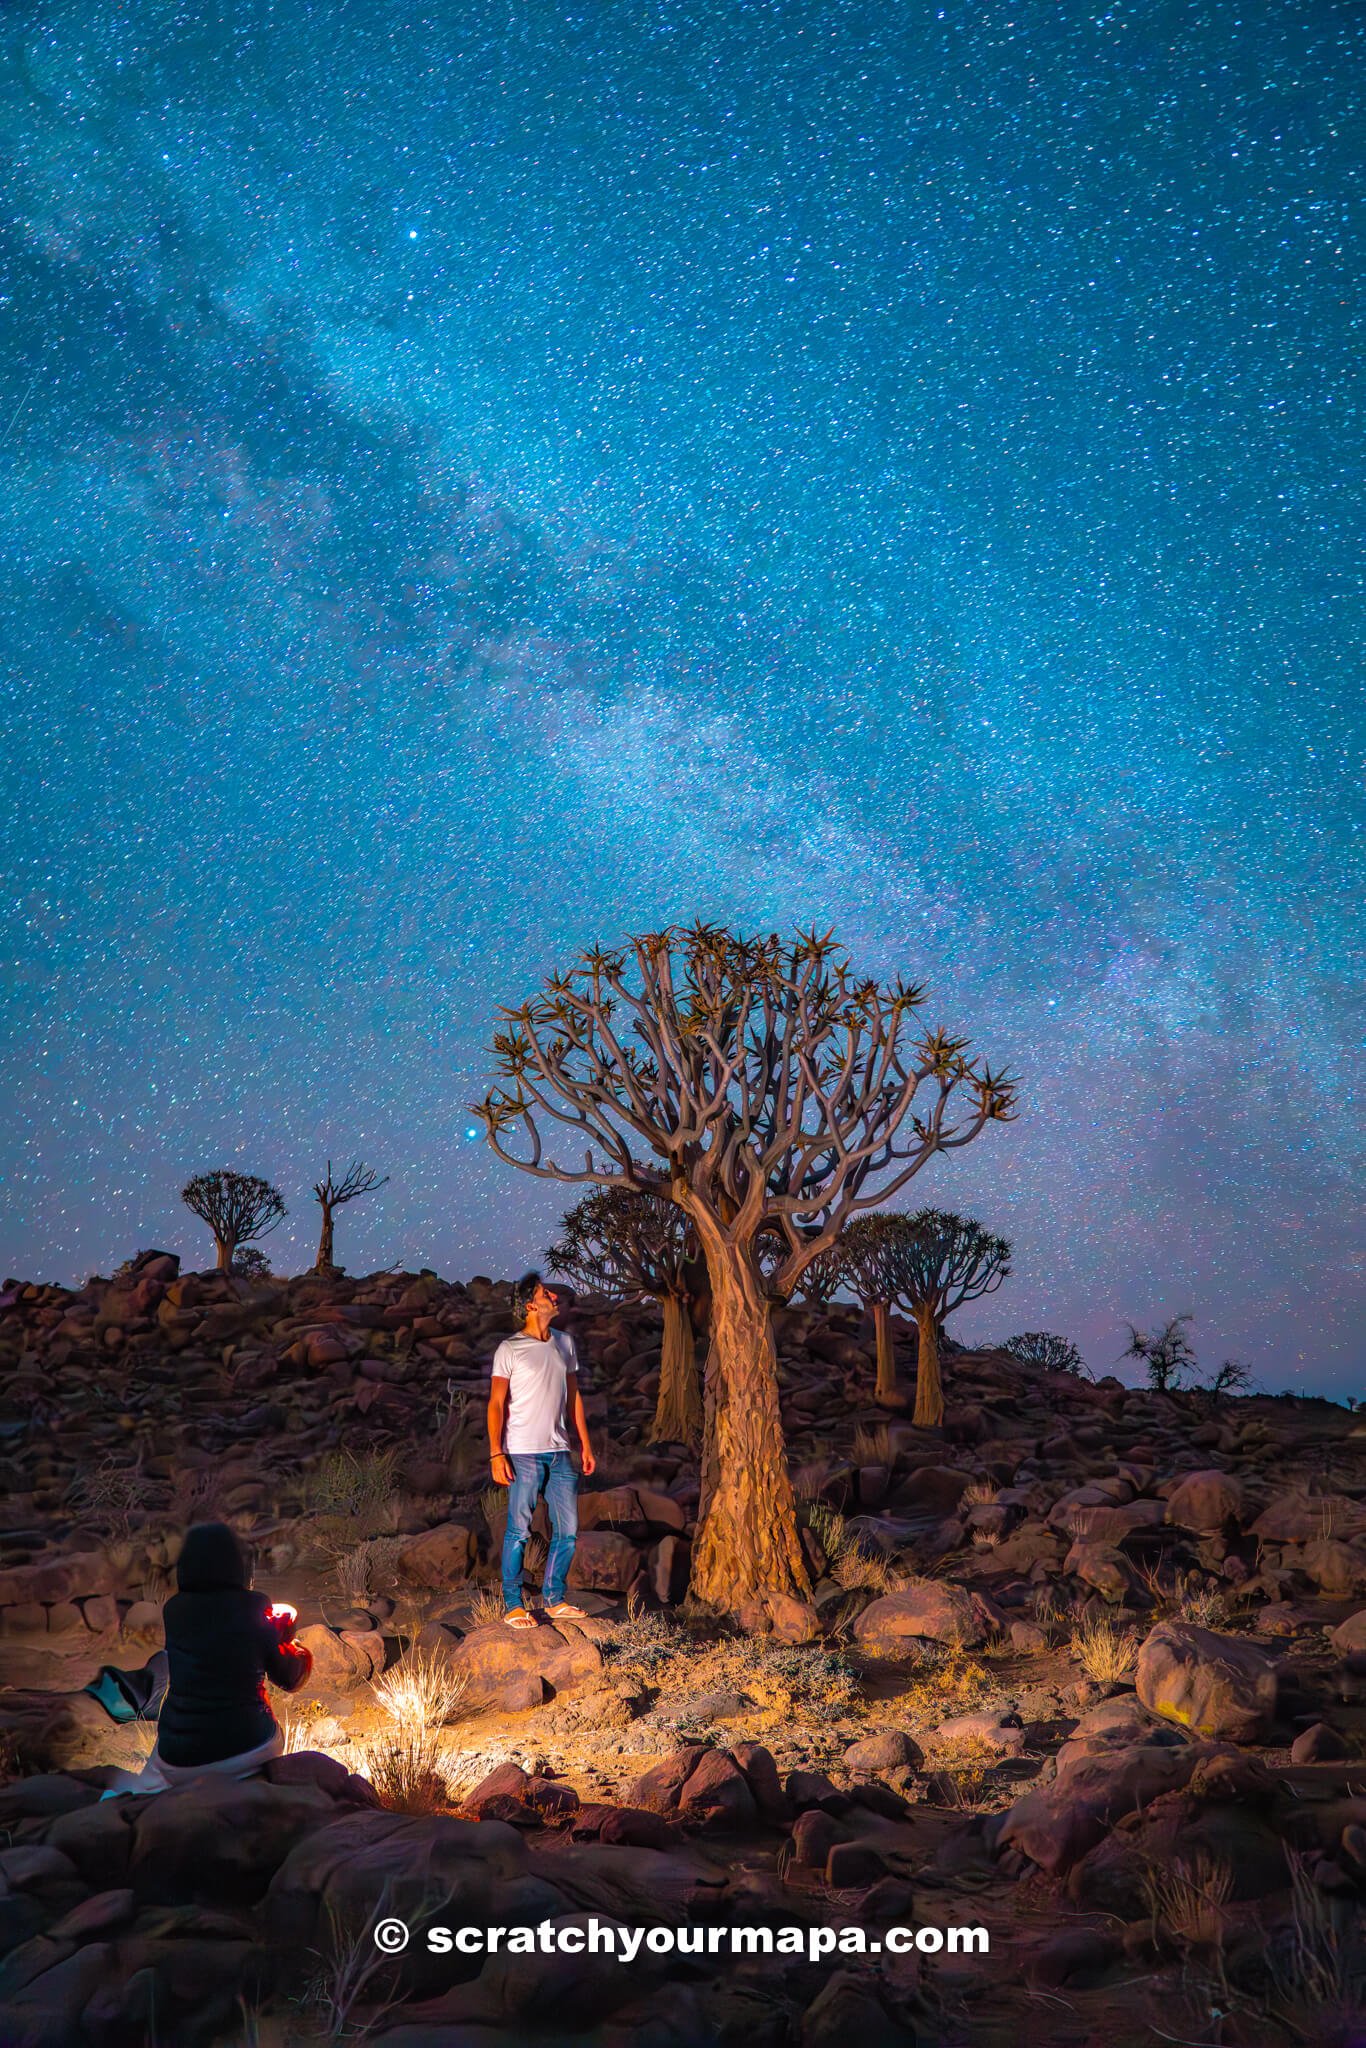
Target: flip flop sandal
517	1617
563	1610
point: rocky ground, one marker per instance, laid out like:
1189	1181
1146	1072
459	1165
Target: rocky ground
1091	1676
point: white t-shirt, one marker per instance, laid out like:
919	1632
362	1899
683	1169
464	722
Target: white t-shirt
536	1370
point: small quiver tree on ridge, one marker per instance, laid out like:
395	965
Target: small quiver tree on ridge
936	1262
752	1083
870	1271
331	1194
237	1208
618	1243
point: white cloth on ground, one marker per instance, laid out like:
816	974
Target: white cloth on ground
157	1776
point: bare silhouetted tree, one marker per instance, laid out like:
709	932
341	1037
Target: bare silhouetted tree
619	1243
751	1082
236	1206
1232	1377
331	1194
1167	1354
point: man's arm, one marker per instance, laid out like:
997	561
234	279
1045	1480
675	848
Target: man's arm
498	1415
578	1422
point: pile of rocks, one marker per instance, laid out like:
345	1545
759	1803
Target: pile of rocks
1225	1545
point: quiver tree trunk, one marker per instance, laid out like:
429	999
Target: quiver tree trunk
226	1253
747	1545
324	1259
887	1390
929	1391
678	1408
710	1397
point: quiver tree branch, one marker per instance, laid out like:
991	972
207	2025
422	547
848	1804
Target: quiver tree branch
331	1194
754	1084
237	1208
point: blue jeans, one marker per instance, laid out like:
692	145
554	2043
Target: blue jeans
535	1473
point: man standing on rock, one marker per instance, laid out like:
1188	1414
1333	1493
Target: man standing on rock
534	1405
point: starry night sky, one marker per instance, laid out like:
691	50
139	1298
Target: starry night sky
480	480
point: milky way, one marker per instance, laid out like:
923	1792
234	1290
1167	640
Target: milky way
477	482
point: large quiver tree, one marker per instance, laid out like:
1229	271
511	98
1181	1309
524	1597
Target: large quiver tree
754	1083
620	1243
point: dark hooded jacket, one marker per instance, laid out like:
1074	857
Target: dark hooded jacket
221	1647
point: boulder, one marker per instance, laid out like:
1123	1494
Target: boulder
605	1560
1057	1824
1338	1569
933	1610
507	1669
219	1840
889	1750
341	1660
1349	1636
1221	1687
1205	1501
715	1796
442	1556
1100	1567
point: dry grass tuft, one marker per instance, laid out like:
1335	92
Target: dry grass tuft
1185	1900
405	1765
486	1606
980	1494
810	1480
953	1683
420	1692
874	1446
847	1561
1105	1653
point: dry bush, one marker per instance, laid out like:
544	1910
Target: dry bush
421	1691
980	1494
964	1764
952	1683
1203	1606
405	1765
683	1663
1185	1899
194	1497
1105	1653
107	1497
354	1486
985	1539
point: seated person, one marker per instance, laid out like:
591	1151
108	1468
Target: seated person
223	1641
